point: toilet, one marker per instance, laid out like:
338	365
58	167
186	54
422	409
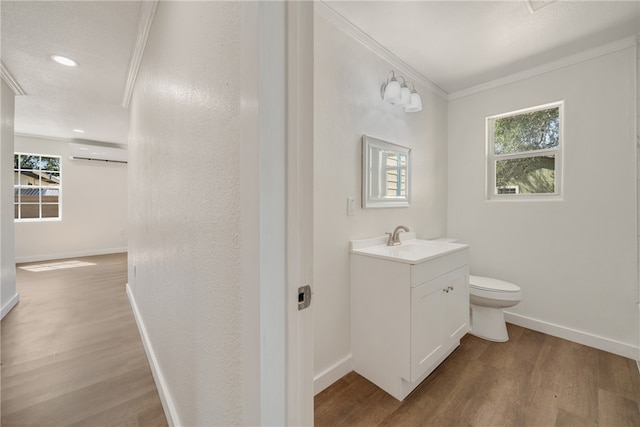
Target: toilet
487	297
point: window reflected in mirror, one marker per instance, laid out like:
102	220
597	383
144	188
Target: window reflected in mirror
386	174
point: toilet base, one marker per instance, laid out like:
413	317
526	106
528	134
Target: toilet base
488	323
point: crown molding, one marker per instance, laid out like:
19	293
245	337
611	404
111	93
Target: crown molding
10	80
145	20
35	135
327	12
69	140
548	67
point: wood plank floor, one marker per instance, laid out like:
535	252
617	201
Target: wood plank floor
532	380
71	352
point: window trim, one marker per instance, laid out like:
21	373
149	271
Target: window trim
40	203
491	159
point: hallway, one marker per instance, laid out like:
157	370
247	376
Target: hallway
71	352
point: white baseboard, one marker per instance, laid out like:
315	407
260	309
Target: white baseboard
62	255
6	308
332	374
163	390
612	346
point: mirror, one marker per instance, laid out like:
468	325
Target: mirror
386	174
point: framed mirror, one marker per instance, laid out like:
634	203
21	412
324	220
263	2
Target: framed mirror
386	174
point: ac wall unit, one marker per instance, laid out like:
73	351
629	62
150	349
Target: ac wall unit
97	152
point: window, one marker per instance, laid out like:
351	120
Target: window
524	153
36	187
396	171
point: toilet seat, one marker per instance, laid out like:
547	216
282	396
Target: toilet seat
489	284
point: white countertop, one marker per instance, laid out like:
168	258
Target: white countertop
410	251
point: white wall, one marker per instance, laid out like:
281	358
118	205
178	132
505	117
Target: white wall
184	204
638	173
575	259
347	105
8	294
93	208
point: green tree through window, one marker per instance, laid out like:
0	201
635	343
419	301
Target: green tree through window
537	130
524	152
37	187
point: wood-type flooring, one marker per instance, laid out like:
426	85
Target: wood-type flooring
71	352
532	380
72	356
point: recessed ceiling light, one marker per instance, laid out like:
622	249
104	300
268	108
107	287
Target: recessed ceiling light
78	130
64	60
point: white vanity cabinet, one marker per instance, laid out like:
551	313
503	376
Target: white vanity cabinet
439	318
407	316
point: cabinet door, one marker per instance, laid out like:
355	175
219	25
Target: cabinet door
427	328
457	305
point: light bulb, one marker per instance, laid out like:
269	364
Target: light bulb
415	105
392	92
405	95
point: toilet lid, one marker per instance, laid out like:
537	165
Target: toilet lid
490	284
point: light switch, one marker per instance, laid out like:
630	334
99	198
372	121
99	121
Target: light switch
351	205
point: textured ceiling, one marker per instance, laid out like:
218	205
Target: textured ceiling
100	36
455	44
461	44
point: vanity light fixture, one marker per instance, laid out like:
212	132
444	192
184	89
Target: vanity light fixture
415	104
78	131
391	89
396	93
405	93
63	60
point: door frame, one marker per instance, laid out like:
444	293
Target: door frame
299	179
276	224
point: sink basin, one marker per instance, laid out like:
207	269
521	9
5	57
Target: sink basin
410	251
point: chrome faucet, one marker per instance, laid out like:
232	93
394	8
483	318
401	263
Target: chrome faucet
394	238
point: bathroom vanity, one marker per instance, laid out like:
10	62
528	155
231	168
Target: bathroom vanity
409	308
